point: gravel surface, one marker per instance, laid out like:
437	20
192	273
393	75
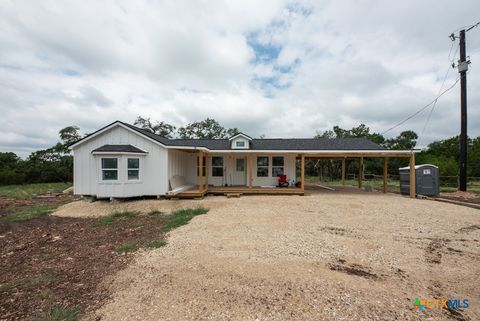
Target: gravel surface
325	256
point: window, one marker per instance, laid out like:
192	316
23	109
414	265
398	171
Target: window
277	166
133	168
262	166
198	169
109	169
217	166
240	143
240	162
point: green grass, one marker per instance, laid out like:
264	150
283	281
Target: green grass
29	213
154	213
127	247
110	219
27	191
28	282
156	244
59	314
181	217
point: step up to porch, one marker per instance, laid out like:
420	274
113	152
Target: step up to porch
229	195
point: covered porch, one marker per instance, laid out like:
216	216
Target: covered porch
254	165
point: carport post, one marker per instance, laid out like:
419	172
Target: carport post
412	176
200	171
206	171
343	171
360	173
303	172
385	173
250	162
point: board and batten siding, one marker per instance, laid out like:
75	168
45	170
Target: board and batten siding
153	166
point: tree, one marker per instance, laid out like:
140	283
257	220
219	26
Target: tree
406	140
205	129
160	128
232	131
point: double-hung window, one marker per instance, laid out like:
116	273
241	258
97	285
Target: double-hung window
217	166
262	166
109	169
133	168
277	166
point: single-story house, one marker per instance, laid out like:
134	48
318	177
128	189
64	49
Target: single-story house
121	160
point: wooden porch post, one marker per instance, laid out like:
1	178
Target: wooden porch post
303	172
360	173
250	162
200	171
385	173
412	176
206	172
343	170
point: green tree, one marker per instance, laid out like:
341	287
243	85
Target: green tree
205	129
160	128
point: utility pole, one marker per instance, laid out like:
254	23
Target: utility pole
462	68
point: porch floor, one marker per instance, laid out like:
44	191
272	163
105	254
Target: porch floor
193	192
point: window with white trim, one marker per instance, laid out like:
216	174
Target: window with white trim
240	143
109	169
277	166
133	169
217	166
262	166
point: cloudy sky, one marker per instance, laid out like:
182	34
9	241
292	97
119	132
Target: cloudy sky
279	68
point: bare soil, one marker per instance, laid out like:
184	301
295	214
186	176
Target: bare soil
328	256
469	197
60	261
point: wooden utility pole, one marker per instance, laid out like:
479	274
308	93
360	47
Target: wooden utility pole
462	68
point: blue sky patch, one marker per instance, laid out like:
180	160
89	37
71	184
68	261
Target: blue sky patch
70	73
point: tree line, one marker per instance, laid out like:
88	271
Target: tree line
55	164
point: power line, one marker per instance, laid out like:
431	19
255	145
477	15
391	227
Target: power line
423	108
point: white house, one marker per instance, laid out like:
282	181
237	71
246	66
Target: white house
121	160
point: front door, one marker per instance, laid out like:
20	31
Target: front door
240	171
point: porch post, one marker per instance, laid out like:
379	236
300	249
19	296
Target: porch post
412	176
200	171
343	170
250	162
360	173
303	172
206	172
385	173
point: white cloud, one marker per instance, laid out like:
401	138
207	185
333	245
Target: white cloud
323	63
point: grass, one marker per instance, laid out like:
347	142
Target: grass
154	213
29	213
59	314
28	282
27	191
110	219
127	247
181	217
156	244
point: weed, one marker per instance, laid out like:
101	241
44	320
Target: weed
110	219
29	213
127	247
156	244
181	217
27	191
59	314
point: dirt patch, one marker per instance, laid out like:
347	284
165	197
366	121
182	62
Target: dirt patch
470	228
353	269
469	197
433	252
10	205
59	261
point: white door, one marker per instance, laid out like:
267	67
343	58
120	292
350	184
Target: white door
240	171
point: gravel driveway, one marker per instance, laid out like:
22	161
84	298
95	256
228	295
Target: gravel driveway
323	256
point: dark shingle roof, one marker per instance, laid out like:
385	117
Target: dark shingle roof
119	149
262	144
